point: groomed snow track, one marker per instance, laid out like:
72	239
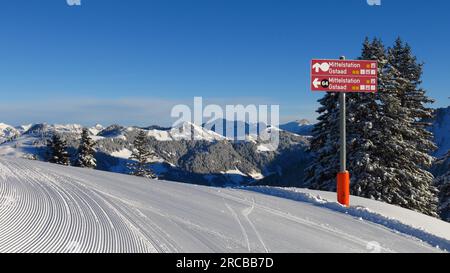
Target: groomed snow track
49	208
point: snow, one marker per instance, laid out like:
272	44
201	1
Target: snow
235	176
184	131
4	126
7	132
24	128
300	127
96	129
20	147
52	208
124	153
264	148
160	135
96	138
235	171
68	128
256	175
426	228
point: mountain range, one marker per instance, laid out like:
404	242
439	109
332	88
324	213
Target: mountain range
210	158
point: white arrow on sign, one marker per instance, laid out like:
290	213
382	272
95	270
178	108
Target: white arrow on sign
316	83
324	66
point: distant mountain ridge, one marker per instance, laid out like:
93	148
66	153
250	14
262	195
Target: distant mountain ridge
7	132
211	158
301	127
207	158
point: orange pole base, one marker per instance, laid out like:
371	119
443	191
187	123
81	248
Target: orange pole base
343	188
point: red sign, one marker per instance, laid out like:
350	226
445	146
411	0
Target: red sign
344	76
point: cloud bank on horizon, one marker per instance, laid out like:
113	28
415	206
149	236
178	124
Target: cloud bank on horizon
125	111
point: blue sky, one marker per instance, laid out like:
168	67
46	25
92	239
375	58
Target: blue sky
130	61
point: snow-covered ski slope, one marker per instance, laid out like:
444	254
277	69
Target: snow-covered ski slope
50	208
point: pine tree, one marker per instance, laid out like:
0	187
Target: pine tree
86	151
141	156
321	174
413	97
407	144
390	160
364	129
58	150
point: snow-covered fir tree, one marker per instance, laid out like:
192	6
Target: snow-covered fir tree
141	156
385	131
413	97
404	145
58	150
364	111
86	151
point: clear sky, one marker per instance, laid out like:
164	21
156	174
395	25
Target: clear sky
129	61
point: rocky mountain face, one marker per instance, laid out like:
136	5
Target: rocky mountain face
7	133
198	154
187	153
210	158
301	127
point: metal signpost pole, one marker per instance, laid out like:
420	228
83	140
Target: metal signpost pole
342	122
343	177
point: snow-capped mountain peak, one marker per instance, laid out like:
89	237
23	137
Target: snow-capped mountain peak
185	131
47	129
300	127
96	129
7	132
23	128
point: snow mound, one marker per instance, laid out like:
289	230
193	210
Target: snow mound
428	229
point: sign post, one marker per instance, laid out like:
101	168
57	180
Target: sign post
344	76
343	177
